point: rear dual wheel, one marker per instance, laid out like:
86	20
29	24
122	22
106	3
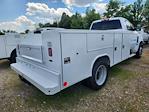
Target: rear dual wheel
13	57
24	80
99	75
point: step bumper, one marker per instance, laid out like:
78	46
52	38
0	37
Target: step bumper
46	81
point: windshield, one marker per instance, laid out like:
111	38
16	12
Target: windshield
107	25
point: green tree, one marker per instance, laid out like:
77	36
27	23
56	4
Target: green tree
125	11
41	25
132	12
137	12
91	16
112	8
27	31
146	14
76	21
65	21
48	25
55	24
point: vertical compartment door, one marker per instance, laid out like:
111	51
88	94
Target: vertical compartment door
117	48
74	58
126	46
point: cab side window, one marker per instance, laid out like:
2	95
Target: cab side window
129	25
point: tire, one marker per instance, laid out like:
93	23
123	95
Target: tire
13	57
139	52
24	80
99	75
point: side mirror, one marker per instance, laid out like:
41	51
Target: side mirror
137	29
132	29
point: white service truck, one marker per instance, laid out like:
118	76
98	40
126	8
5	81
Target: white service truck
144	34
8	43
61	57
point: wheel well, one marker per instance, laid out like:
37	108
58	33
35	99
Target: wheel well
104	58
13	52
141	43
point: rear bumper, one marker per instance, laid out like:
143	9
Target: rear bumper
47	81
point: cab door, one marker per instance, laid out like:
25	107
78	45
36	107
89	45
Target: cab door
2	47
117	48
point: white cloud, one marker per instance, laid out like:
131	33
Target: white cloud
80	3
96	4
24	20
100	7
18	24
42	12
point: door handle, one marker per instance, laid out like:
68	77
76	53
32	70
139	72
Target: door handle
123	46
137	39
102	38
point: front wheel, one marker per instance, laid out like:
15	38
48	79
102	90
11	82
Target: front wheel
99	75
139	52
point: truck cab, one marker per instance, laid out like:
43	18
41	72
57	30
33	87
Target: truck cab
128	37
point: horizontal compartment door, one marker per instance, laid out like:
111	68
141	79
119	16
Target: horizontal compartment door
99	41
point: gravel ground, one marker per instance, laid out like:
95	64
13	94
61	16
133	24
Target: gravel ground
127	90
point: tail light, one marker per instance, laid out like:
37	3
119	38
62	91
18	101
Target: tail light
50	52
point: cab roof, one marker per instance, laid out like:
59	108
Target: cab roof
114	18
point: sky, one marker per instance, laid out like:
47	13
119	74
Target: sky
19	15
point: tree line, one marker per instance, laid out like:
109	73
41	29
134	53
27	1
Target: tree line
137	13
76	21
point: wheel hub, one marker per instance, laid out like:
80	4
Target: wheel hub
101	74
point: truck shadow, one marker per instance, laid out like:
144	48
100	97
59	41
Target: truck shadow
4	64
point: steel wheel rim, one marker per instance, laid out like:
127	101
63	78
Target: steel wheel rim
141	50
101	75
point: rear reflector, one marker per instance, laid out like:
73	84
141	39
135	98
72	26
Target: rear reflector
65	84
50	51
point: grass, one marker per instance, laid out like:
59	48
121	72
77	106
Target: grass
121	74
112	97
